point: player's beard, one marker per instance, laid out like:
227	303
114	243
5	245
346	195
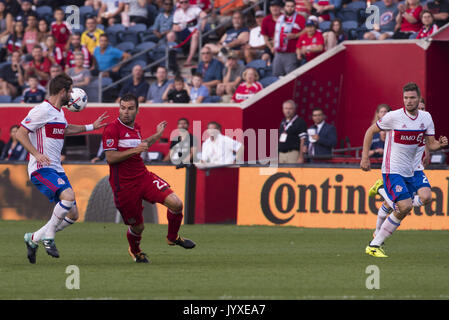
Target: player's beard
65	101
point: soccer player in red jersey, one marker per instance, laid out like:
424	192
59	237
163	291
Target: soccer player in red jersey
131	182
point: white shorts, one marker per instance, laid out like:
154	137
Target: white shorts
377	34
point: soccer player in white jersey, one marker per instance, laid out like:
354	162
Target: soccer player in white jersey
406	129
421	161
42	134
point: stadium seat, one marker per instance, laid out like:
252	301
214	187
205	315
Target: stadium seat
18	99
325	26
5	99
145	46
84	12
265	82
260	65
132	33
350	28
126	46
42	11
92	88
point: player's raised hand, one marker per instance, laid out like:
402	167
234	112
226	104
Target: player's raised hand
443	141
161	127
99	122
42	159
365	164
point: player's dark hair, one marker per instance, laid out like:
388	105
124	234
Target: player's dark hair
60	82
130	97
216	124
184	119
411	86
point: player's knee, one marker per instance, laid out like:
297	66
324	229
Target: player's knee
138	228
177	206
425	197
67	195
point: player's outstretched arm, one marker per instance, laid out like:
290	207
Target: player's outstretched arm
434	145
365	163
75	129
22	137
159	131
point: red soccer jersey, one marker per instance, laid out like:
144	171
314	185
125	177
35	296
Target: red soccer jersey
243	92
70	61
412	27
297	26
424	33
304	41
120	137
44	66
268	26
301	6
203	4
61	32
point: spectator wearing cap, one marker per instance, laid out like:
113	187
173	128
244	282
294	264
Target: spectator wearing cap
310	44
233	39
232	76
268	26
289	27
256	48
211	69
91	36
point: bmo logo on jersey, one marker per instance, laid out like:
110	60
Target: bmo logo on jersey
409	137
55	130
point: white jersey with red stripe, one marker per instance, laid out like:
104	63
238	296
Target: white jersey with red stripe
405	138
46	125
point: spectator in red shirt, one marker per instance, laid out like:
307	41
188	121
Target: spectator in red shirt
269	24
289	27
429	26
31	33
39	66
310	44
61	30
75	47
249	87
303	7
408	19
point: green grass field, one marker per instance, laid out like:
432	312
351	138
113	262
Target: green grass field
229	262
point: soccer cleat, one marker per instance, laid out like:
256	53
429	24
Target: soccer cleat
50	247
185	243
31	247
373	190
375	251
139	257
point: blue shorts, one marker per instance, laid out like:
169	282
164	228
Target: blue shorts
400	188
50	182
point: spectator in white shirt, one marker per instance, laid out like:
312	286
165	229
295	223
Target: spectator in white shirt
219	149
256	47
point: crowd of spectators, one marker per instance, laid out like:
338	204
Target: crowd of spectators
239	36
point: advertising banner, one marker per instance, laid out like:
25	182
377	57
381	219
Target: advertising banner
20	199
329	198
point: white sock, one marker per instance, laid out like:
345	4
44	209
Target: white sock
64	224
382	214
384	195
386	230
59	212
417	201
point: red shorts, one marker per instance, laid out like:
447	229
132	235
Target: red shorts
128	198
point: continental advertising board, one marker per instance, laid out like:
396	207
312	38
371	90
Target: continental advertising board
329	198
20	200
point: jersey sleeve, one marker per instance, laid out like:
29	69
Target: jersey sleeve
302	132
386	122
36	118
110	138
430	128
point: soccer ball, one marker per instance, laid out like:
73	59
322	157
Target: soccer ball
78	100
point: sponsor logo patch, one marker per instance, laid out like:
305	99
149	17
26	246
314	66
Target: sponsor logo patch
109	142
61	181
398	188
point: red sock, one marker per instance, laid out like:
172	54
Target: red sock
174	223
134	241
